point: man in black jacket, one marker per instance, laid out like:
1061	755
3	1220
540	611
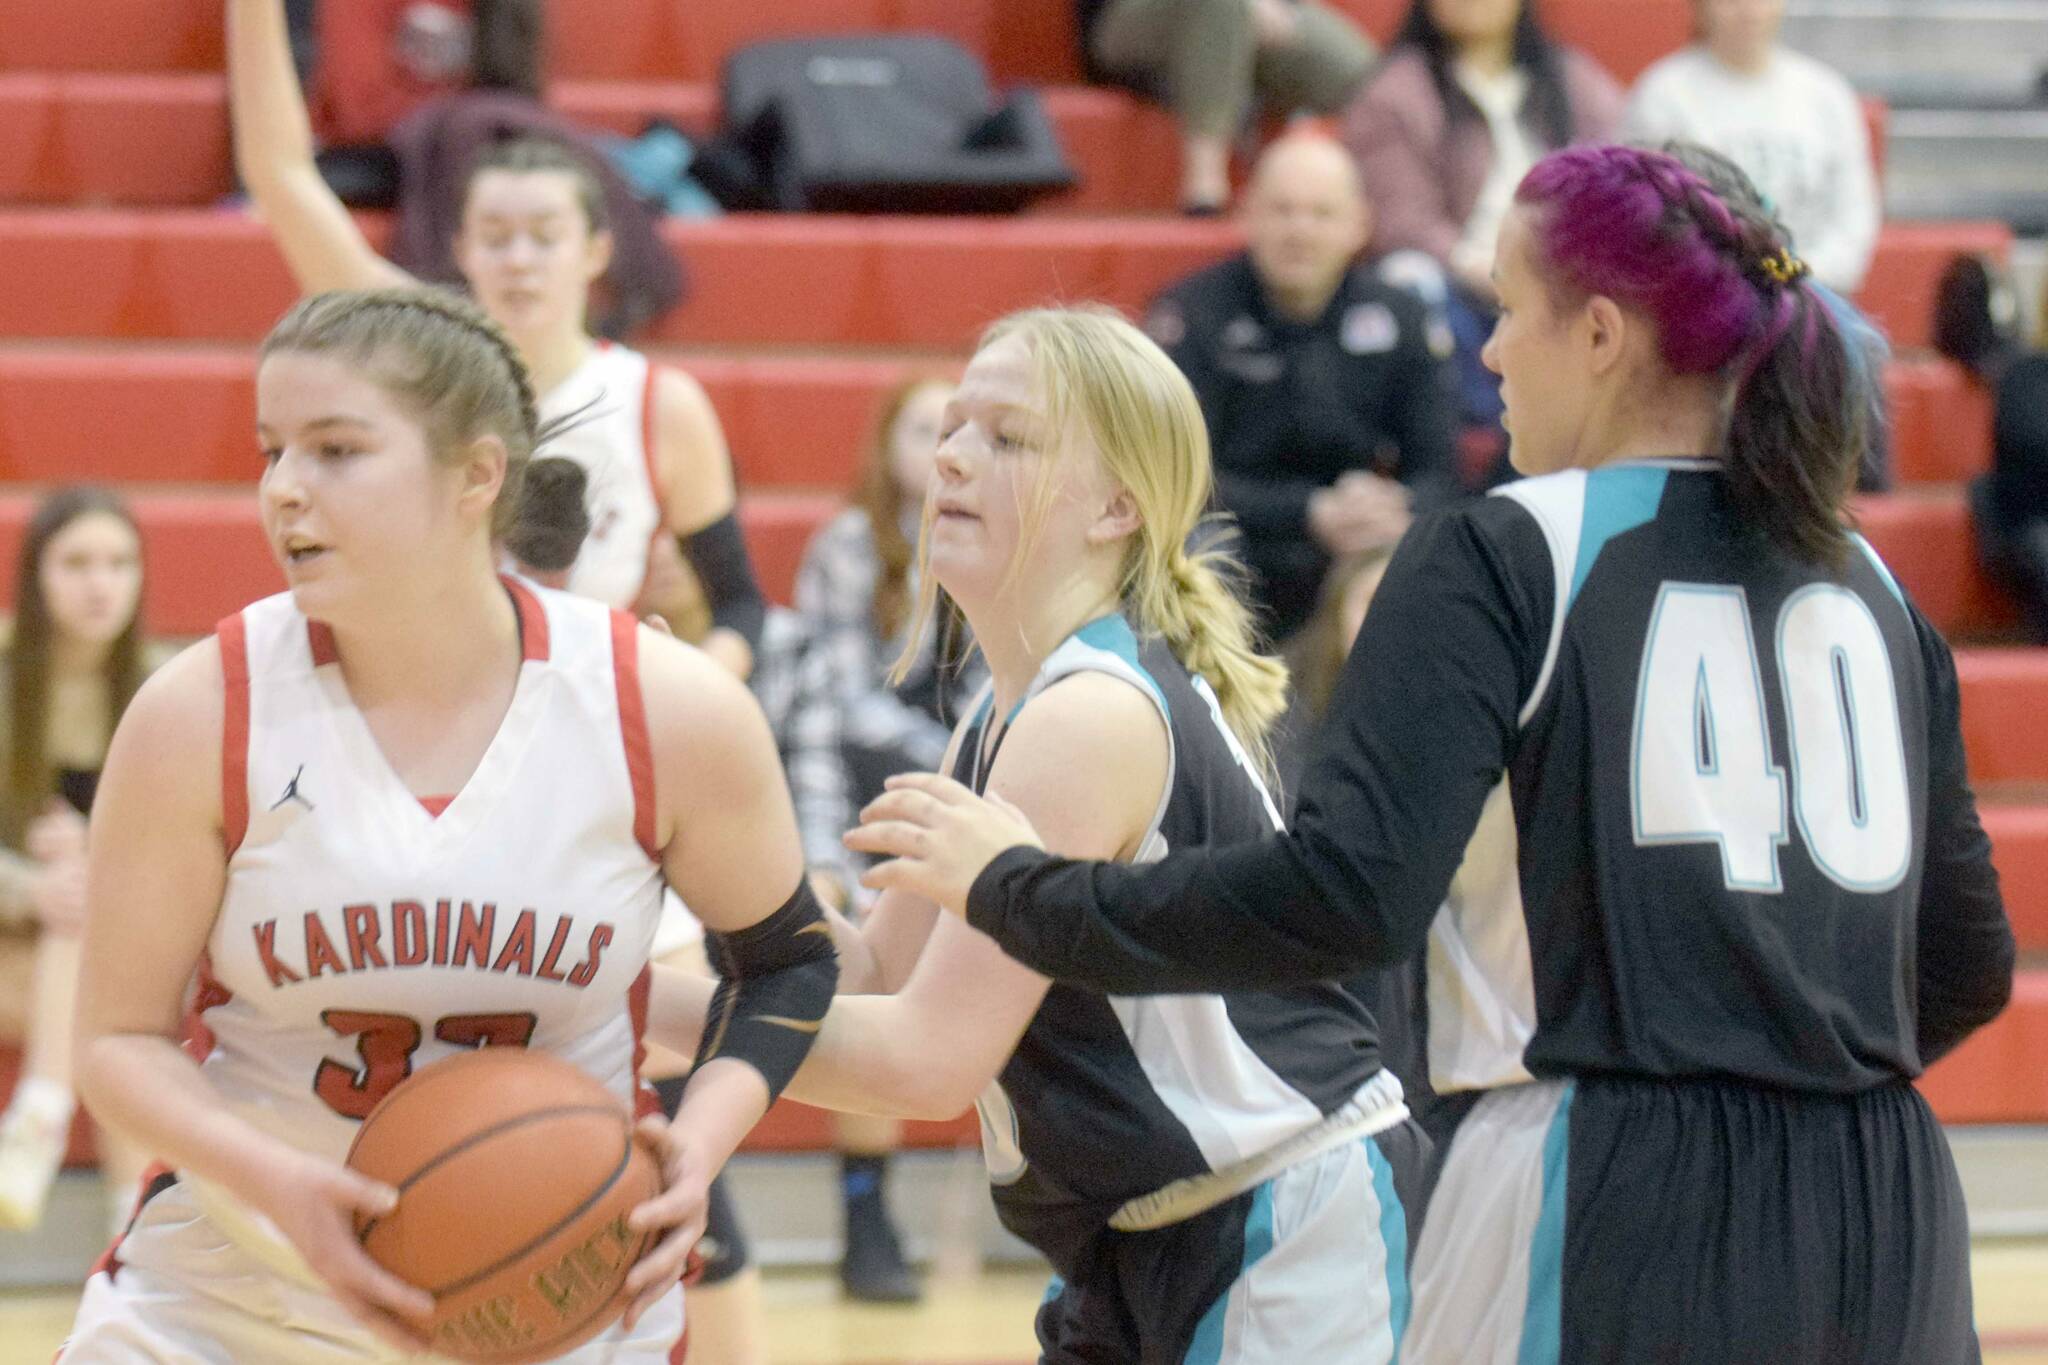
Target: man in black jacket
1327	394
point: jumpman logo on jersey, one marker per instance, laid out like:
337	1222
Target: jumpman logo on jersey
291	791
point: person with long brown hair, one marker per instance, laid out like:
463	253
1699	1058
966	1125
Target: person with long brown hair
76	657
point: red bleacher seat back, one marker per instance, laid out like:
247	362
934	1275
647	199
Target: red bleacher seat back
111	35
1996	1076
2019	847
1899	293
1941	422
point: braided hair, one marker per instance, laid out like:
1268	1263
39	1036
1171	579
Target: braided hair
1702	257
453	367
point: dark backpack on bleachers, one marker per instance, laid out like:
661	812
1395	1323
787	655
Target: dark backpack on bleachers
892	124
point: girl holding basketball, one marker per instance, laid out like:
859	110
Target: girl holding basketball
408	808
1213	1177
533	242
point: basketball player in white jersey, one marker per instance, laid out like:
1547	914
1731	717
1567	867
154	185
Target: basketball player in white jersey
533	240
407	808
532	243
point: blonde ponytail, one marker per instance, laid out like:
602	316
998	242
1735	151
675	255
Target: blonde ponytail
1209	629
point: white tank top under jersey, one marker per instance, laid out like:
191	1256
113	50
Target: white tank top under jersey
609	397
361	938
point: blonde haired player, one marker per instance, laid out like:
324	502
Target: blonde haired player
407	808
1213	1177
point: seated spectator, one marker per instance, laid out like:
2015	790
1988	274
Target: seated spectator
372	63
1976	326
1326	393
1472	94
1793	124
74	663
1214	62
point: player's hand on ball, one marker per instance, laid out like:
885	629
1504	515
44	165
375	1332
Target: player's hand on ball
937	837
681	1208
315	1207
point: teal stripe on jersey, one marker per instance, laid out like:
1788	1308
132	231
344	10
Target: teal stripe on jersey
1884	570
1618	499
1394	1238
1207	1346
1113	635
1543	1320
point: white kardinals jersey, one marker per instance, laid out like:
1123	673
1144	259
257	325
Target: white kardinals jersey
361	937
609	400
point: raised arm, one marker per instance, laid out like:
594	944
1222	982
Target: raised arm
695	468
274	157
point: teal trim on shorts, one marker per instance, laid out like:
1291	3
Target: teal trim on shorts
1207	1346
1394	1238
1542	1320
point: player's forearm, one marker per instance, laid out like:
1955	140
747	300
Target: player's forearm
147	1087
272	134
876	1056
723	1101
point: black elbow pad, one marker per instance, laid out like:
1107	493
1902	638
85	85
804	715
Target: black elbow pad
776	980
718	556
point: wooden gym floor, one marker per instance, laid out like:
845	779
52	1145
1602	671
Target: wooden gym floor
986	1320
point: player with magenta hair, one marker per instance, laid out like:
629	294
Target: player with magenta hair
1754	899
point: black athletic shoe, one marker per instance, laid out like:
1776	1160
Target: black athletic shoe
873	1270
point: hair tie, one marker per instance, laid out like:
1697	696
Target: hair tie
1784	268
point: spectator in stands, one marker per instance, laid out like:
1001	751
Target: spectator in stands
370	63
1976	326
76	657
1326	390
1215	62
1791	123
1471	95
861	724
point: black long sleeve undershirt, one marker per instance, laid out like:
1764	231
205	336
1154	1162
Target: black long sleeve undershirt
1418	733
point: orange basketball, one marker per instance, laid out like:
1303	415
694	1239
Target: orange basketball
515	1172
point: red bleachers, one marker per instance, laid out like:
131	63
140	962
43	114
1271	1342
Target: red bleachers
2019	845
905	282
1941	422
2002	706
1924	534
207	557
1022	40
162	139
769	279
1997	1076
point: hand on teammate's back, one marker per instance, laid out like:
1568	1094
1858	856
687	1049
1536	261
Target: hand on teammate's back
937	836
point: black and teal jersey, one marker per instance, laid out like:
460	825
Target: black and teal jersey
1746	843
1108	1098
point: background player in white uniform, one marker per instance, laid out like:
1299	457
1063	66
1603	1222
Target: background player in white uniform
1213	1177
532	243
407	808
